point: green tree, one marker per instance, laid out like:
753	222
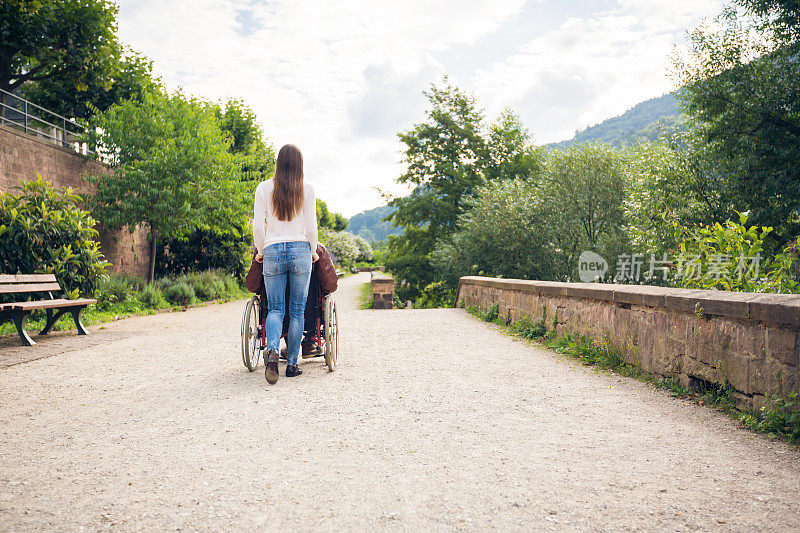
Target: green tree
742	95
257	157
581	194
171	165
73	40
124	77
503	234
339	222
673	180
510	151
445	157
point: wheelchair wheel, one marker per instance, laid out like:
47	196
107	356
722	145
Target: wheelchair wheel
331	333
251	334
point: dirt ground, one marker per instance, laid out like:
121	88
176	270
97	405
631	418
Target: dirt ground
433	421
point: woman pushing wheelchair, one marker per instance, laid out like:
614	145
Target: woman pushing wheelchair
286	246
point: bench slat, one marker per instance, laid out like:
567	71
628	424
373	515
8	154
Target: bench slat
29	287
27	278
45	304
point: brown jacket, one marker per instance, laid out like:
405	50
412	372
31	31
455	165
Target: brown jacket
326	272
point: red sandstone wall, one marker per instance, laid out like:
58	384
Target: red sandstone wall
24	156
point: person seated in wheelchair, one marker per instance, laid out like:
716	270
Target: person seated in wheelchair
323	282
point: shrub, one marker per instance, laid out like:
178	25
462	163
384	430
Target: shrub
364	249
180	293
341	244
43	230
729	257
206	249
151	297
113	289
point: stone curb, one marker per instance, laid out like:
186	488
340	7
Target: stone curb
773	308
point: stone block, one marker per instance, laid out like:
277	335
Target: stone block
720	303
551	288
640	295
594	291
782	345
776	309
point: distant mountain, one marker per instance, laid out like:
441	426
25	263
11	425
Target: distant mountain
370	224
642	122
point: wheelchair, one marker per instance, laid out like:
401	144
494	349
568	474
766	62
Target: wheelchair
321	324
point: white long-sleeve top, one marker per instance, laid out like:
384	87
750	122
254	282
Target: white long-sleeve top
267	229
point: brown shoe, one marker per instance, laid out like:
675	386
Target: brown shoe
271	373
310	349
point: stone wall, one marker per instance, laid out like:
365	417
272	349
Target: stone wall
23	156
382	290
747	341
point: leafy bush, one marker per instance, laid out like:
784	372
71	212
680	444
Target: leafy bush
206	249
364	249
113	289
208	285
180	294
729	257
151	297
434	295
43	230
342	245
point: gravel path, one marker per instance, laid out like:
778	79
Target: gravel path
433	421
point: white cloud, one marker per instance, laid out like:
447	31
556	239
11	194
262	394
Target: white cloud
589	69
339	79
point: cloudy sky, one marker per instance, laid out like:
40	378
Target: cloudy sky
340	79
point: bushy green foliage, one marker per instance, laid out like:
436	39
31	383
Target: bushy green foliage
114	289
207	285
449	157
329	220
503	234
535	229
206	249
180	293
72	41
742	81
152	297
530	329
731	257
173	170
42	230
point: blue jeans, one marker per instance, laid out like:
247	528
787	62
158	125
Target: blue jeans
286	263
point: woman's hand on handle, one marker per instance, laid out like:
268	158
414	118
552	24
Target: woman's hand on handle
314	257
259	258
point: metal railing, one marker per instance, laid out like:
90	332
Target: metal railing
32	119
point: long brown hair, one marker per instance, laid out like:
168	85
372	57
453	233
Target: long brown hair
287	193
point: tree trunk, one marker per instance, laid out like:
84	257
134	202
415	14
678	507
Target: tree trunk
151	273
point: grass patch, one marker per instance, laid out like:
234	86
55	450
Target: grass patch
122	296
778	418
365	298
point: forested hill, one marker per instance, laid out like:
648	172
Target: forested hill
370	224
642	122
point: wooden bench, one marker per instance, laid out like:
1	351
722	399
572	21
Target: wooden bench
54	307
